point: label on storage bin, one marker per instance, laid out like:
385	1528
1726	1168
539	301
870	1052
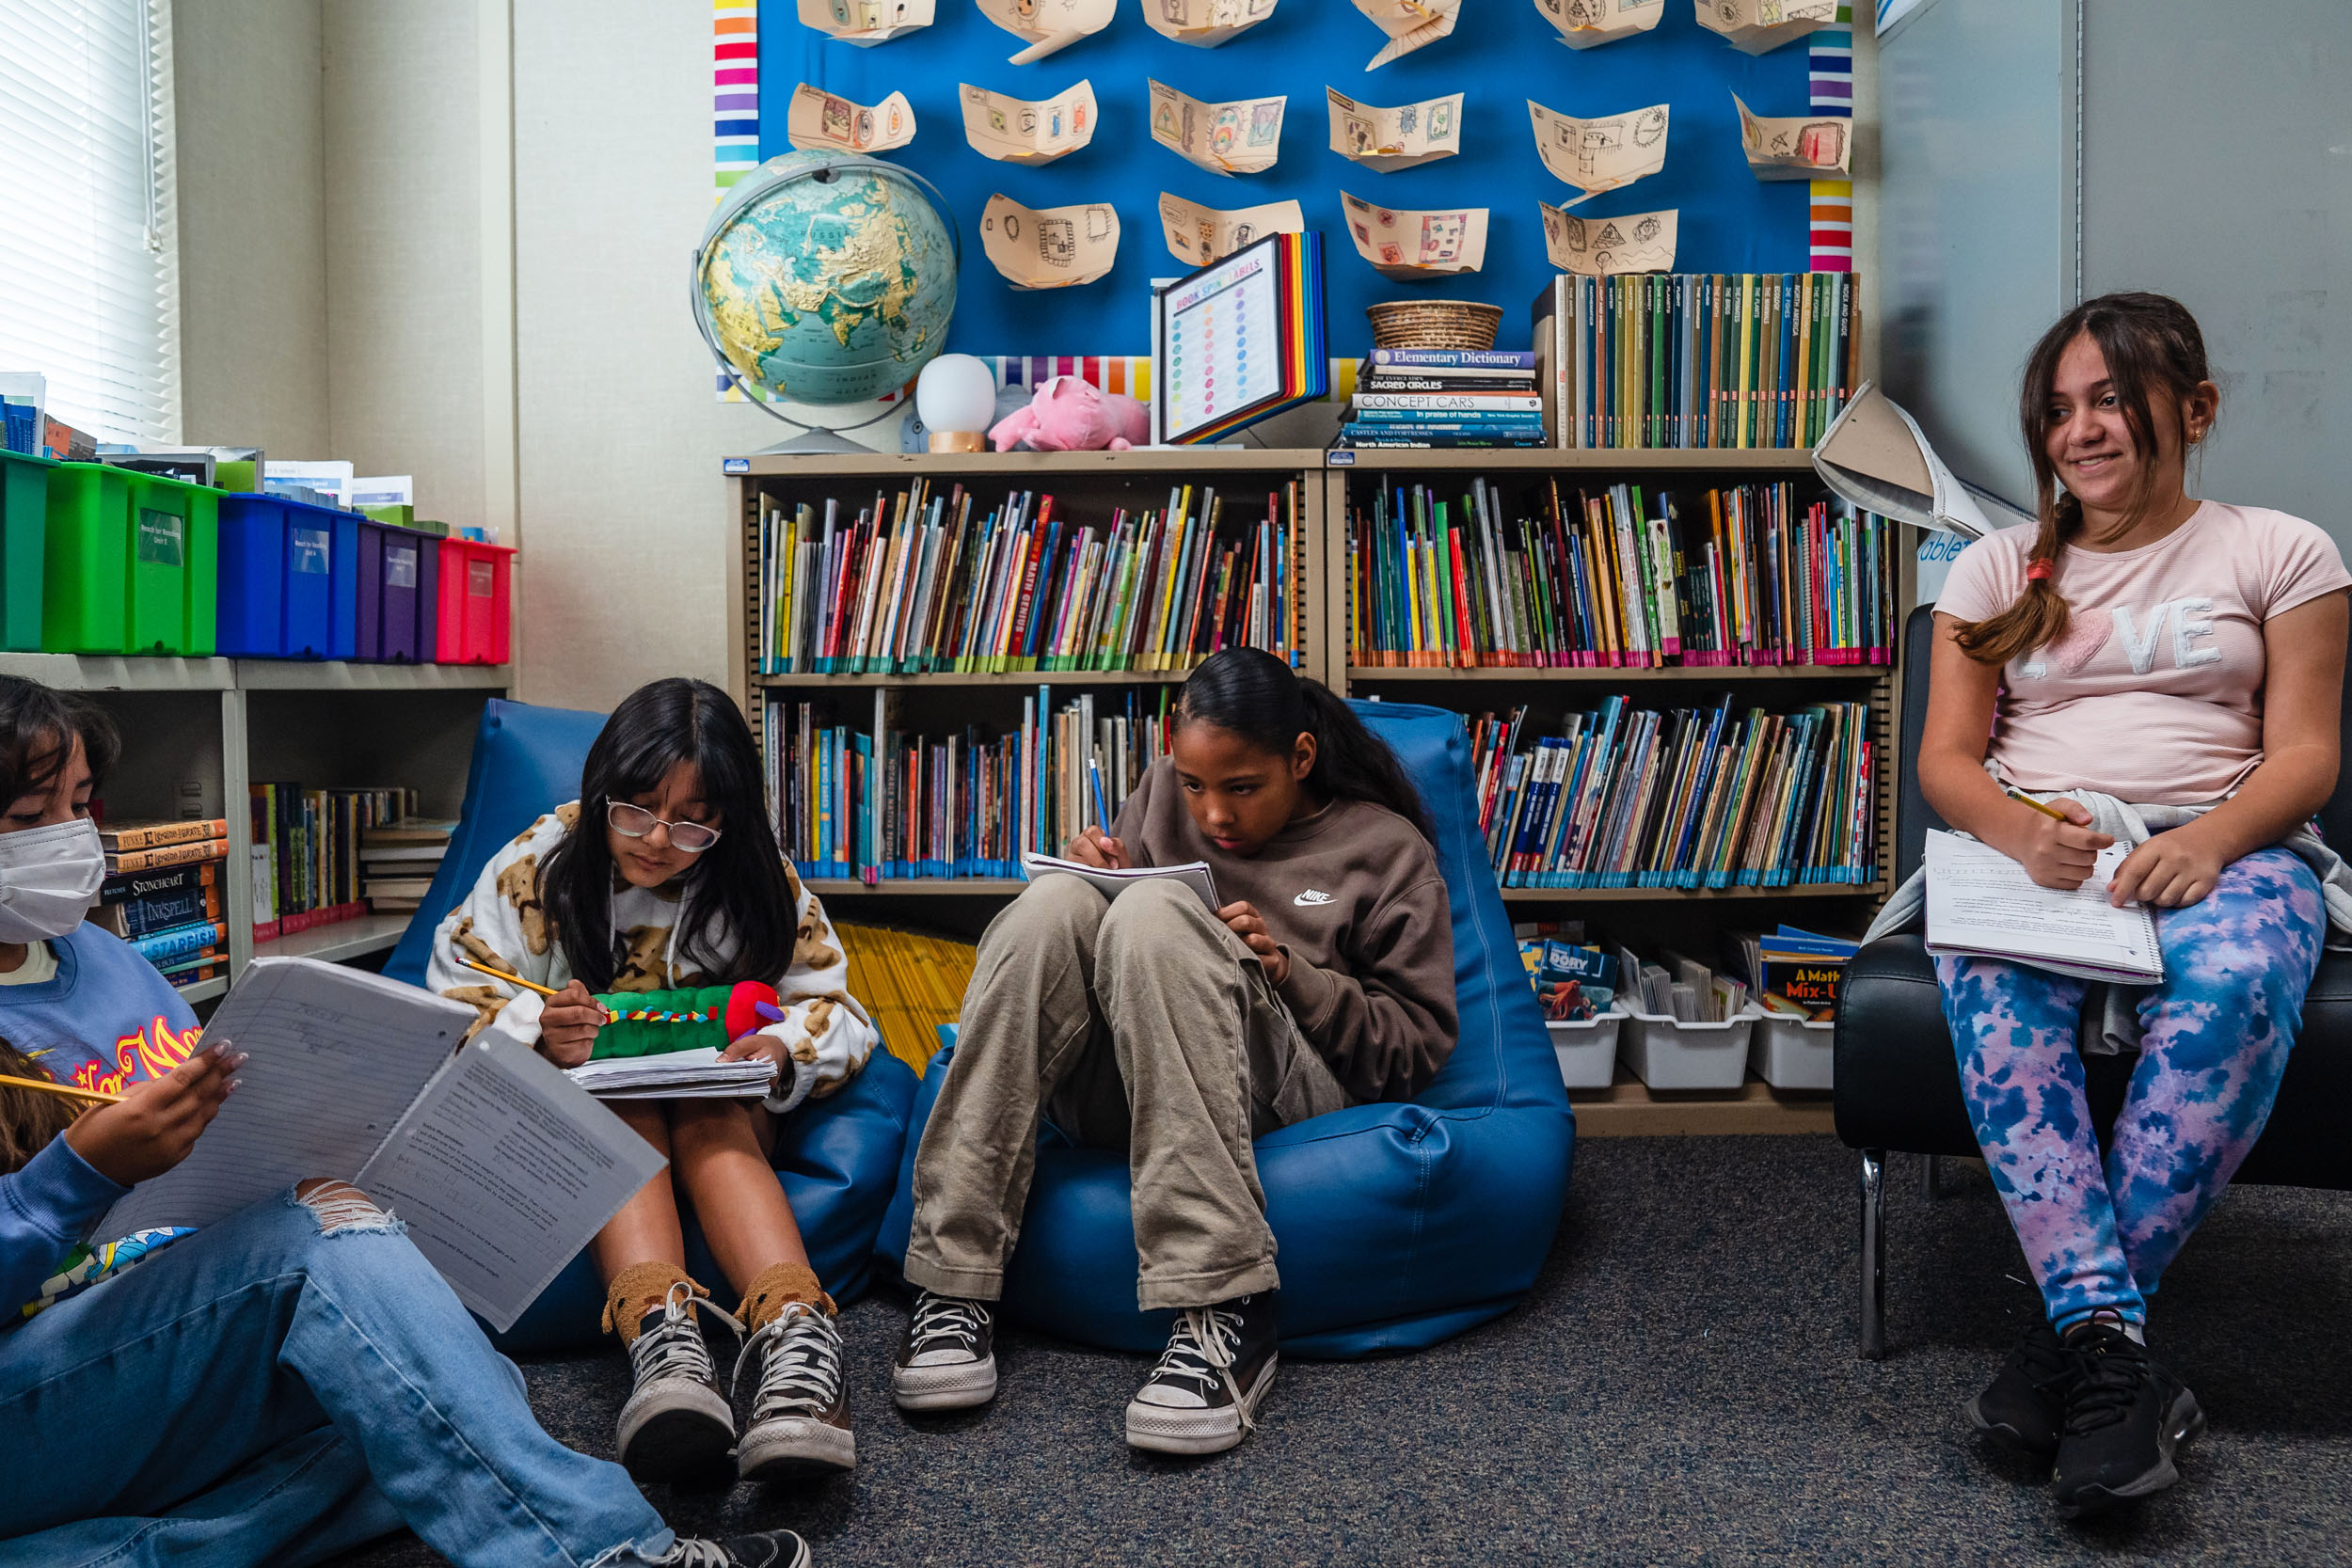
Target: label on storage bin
400	566
481	580
310	549
162	540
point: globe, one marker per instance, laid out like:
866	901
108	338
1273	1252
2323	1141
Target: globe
825	278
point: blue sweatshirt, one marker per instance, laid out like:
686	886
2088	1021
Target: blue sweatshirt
105	1019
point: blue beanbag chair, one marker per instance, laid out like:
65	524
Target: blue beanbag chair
1398	1225
837	1157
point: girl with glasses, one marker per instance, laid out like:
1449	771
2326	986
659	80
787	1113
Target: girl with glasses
666	874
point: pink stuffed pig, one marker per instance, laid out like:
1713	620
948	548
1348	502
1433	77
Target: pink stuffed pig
1070	415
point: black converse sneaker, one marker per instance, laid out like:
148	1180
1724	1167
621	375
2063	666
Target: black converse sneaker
1216	1371
2026	1404
2125	1415
800	1415
676	1424
775	1548
947	1360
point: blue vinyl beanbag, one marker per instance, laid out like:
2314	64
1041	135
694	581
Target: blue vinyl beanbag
1398	1225
837	1157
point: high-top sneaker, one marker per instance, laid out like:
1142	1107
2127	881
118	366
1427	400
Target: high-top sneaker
800	1415
773	1549
677	1423
1216	1371
947	1360
2125	1416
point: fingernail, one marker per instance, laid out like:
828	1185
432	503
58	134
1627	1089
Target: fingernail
235	1085
238	1060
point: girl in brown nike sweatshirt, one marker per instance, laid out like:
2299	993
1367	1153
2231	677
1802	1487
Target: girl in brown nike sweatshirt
1155	1024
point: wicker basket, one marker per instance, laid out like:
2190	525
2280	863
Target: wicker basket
1434	324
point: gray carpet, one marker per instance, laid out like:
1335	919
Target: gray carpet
1680	1388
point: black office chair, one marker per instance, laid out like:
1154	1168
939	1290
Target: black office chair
1898	1079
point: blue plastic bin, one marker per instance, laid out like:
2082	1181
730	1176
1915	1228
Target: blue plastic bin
399	583
289	580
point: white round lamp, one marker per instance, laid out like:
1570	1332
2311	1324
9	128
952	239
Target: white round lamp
956	398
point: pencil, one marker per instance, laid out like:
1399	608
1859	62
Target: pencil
2051	812
47	1087
1102	816
518	980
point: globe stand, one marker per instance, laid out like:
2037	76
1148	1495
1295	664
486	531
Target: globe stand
812	440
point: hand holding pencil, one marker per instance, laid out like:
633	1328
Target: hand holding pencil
155	1124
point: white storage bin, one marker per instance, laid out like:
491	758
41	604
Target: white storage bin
1793	1053
1668	1054
1588	1050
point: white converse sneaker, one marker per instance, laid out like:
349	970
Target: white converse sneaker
947	1360
1216	1371
800	1415
676	1424
775	1548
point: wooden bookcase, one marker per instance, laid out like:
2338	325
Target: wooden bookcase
1089	483
216	724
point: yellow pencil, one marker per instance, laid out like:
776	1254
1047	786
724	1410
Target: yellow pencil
518	980
2051	812
47	1087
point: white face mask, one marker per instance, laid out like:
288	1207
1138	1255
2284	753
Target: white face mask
48	877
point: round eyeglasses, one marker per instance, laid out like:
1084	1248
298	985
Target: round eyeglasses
631	821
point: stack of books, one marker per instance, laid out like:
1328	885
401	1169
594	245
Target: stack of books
1797	972
1698	359
1680	988
162	894
884	804
306	852
1408	397
1687	798
932	580
1739	577
398	860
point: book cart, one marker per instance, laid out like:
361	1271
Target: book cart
197	731
1086	488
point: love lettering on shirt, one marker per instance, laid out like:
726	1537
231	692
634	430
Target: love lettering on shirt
2177	623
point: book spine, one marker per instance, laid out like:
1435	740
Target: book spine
180	941
155	836
169	854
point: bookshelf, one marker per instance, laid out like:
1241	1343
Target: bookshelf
1088	484
219	723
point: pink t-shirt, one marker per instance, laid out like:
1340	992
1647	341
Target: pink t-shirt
2154	694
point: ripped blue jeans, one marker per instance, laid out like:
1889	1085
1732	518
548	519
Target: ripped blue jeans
278	1389
2097	1233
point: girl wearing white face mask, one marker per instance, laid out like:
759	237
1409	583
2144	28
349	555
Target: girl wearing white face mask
275	1389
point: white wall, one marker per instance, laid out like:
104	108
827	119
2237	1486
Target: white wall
252	224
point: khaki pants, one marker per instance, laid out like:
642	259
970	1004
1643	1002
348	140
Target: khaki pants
1143	1023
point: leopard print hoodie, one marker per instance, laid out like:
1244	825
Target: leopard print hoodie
827	1035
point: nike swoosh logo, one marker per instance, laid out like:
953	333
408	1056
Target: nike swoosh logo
1311	896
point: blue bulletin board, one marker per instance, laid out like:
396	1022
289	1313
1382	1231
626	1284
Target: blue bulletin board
1501	53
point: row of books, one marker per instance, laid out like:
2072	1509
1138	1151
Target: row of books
1445	398
911	983
162	894
306	852
881	804
1789	971
1713	578
1686	798
1698	359
928	581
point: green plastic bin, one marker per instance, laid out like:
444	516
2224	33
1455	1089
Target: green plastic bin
133	564
24	525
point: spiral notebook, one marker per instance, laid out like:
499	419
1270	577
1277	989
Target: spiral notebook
1982	903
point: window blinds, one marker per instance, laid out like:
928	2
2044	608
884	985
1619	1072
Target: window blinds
88	252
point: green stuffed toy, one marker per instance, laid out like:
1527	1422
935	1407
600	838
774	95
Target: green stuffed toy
653	1023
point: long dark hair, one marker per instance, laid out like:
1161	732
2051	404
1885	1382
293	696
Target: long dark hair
36	731
2149	341
737	884
1256	696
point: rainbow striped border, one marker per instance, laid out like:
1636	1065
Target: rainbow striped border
1832	93
733	113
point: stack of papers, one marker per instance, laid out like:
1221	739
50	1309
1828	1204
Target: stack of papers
697	1074
1982	903
1111	883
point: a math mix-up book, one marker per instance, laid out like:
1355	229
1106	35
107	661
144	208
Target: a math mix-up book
501	1168
1982	902
1110	884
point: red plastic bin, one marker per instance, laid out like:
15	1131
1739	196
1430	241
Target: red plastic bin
477	592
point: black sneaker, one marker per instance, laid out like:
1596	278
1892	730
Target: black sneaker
1216	1371
677	1424
2025	1405
775	1548
947	1360
2125	1415
800	1415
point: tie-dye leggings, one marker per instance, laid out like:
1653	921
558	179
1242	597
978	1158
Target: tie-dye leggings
2100	1234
